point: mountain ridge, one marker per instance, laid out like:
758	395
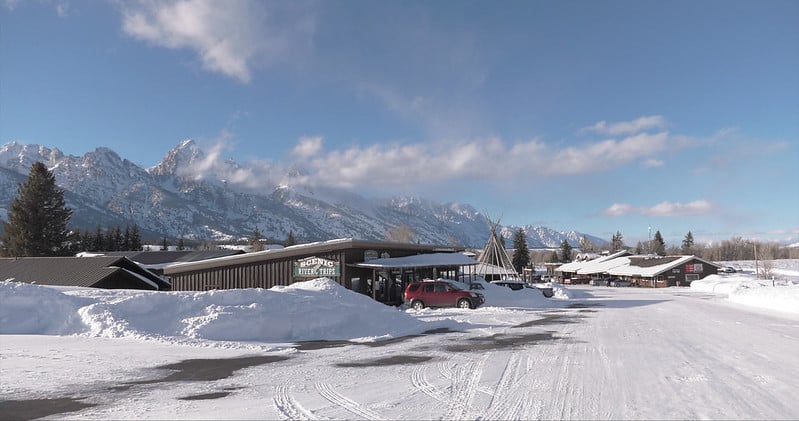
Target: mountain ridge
190	195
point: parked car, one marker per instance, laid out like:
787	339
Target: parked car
440	293
616	282
519	285
512	284
727	269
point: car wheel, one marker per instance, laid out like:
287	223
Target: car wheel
417	305
464	303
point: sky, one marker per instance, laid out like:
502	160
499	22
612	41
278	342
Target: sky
598	117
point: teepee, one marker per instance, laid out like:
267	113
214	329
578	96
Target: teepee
494	260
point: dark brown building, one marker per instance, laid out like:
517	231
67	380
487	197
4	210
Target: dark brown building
110	272
345	260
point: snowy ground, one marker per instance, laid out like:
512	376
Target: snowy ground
593	353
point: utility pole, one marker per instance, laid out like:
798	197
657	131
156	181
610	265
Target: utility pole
757	271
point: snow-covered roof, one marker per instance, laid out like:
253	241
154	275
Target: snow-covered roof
602	265
633	268
576	266
421	260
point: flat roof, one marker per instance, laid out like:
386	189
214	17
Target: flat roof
301	250
420	260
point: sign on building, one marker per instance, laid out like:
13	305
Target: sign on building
314	267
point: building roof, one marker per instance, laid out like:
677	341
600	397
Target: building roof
159	259
301	250
650	266
577	265
78	271
420	260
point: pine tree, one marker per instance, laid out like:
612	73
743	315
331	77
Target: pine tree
164	245
37	218
181	246
521	254
565	252
135	238
98	239
554	257
659	245
688	243
616	243
290	240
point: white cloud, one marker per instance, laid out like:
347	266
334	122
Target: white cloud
653	163
307	147
627	127
487	159
663	209
228	37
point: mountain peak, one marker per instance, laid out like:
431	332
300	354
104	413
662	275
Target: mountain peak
181	156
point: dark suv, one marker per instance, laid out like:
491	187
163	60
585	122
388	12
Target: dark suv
440	293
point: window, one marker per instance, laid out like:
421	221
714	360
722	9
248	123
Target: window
441	288
428	288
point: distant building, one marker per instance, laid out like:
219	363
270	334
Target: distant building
109	272
641	270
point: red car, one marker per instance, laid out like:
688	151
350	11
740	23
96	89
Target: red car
440	293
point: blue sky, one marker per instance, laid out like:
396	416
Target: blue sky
594	116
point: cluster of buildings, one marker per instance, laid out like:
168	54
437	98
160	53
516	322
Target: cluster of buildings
378	269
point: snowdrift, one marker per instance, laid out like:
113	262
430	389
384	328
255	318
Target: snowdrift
743	289
319	309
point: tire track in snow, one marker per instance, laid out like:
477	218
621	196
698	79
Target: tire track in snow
464	387
289	408
498	407
335	398
420	382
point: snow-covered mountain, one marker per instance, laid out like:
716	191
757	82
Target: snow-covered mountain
191	196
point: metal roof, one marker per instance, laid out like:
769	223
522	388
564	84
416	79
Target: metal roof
420	260
72	271
301	250
173	256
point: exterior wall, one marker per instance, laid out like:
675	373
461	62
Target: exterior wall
270	272
265	274
681	275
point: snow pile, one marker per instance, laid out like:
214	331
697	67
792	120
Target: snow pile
527	297
744	289
36	309
319	309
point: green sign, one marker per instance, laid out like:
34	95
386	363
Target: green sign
315	267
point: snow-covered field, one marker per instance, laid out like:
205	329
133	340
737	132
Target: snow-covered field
315	350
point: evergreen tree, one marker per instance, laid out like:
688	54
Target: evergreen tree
565	252
135	238
37	218
126	239
181	246
98	240
688	244
659	245
290	240
616	243
255	241
554	257
521	254
164	245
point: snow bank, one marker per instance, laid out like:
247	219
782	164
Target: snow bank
35	309
746	290
319	309
528	297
